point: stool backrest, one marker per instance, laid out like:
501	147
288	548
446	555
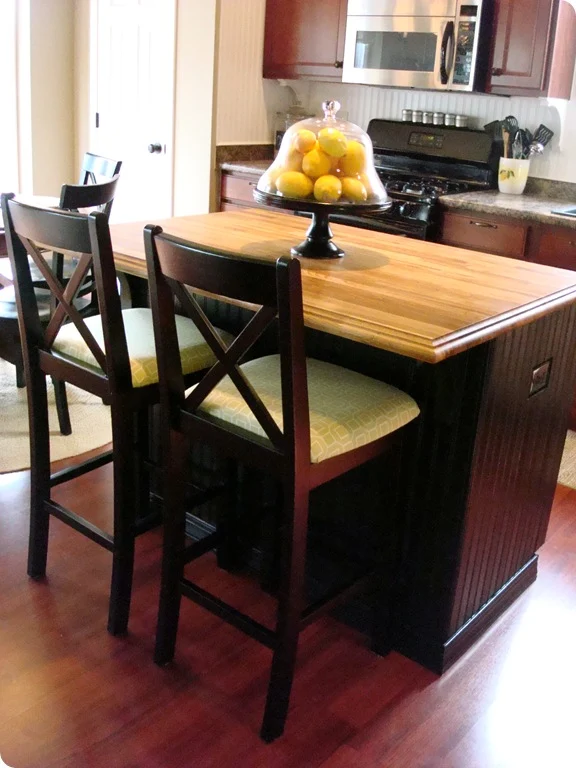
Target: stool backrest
174	266
100	196
31	230
96	168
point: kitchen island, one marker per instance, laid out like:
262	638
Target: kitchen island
485	345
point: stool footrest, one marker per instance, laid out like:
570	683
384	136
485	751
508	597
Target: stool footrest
199	548
80	524
79	469
225	611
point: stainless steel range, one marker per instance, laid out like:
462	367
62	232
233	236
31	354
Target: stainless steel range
418	164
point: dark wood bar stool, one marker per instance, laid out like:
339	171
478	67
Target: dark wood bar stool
301	421
111	355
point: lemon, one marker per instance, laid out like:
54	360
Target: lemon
333	142
354	160
365	179
294	184
304	140
354	190
291	161
328	189
316	163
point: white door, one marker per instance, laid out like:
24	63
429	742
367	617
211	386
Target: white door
134	104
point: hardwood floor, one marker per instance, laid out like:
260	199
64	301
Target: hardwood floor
72	696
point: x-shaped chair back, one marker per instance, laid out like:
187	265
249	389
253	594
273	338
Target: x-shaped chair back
178	269
31	230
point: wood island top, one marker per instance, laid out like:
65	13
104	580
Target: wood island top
424	300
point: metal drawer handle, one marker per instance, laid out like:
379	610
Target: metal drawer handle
252	183
484	224
572	242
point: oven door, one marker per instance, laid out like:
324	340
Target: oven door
401	51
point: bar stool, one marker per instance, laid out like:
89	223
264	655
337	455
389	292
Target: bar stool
299	420
111	355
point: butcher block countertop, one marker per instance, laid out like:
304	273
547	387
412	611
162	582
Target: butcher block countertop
424	300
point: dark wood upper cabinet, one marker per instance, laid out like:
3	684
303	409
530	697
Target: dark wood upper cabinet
533	48
304	38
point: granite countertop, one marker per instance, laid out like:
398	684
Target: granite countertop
256	167
539	199
531	206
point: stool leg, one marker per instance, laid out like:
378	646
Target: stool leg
124	518
20	378
290	607
62	406
39	474
175	457
228	553
141	471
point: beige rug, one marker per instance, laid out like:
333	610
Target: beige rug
90	423
567	474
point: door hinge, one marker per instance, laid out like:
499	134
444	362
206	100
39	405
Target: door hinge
97	119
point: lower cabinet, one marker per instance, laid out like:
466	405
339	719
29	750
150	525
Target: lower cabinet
237	192
541	243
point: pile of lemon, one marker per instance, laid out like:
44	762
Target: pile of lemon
330	167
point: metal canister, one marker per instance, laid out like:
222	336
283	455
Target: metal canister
438	118
406	115
461	121
427	118
449	119
416	116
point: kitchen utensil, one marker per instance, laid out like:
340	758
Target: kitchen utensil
525	138
536	148
517	147
543	134
566	212
505	142
511	124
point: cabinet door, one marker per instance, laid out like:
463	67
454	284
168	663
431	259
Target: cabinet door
304	38
557	248
523	40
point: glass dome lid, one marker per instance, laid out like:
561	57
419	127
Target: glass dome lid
324	161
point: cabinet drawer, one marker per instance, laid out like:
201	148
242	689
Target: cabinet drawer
482	233
557	248
238	188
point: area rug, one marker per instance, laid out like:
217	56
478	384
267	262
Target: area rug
567	474
90	423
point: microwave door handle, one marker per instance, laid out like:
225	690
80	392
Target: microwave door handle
446	37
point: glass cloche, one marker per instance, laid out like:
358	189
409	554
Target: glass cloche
324	166
325	161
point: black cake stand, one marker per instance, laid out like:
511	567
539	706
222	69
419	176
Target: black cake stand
318	243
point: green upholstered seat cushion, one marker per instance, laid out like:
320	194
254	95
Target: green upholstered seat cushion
347	410
194	352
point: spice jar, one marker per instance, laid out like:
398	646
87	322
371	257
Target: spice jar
416	116
438	118
449	119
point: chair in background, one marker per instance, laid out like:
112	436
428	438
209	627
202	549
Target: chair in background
112	356
299	420
98	196
94	170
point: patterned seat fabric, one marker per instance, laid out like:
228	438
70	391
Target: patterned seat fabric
194	352
347	410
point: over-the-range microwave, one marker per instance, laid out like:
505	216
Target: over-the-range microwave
430	44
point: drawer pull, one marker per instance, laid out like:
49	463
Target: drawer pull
484	224
572	243
252	183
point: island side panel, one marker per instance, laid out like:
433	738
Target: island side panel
485	476
517	456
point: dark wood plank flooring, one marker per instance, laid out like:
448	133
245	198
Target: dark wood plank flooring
72	696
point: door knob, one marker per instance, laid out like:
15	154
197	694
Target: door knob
154	148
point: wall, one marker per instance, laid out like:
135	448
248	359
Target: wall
46	95
246	103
